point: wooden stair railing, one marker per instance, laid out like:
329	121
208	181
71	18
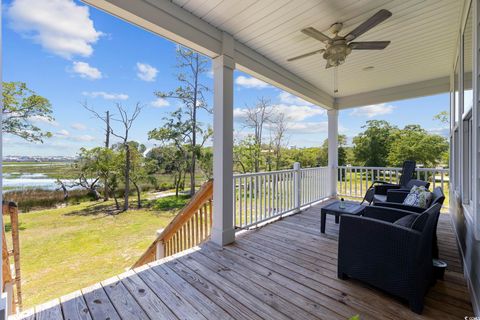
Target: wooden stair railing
191	226
8	280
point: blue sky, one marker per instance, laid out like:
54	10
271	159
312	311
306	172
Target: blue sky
71	53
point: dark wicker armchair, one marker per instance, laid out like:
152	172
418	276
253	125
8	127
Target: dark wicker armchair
397	259
380	188
395	200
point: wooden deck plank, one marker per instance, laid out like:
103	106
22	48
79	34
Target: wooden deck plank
98	303
74	307
263	310
175	302
269	280
227	302
197	299
286	269
311	300
50	310
269	297
146	298
122	300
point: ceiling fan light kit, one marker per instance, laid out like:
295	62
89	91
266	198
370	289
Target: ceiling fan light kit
339	47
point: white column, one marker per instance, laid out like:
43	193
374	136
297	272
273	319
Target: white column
333	150
223	228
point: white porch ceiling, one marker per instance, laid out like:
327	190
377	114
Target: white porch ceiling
423	37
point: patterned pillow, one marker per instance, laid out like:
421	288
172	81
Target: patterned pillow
418	197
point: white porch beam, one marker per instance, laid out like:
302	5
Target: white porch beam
333	151
170	21
223	231
408	91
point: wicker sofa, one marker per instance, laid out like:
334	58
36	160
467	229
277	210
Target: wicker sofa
394	258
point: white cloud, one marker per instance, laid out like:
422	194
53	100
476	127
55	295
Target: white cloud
44	120
373	110
292	113
288	98
106	95
251	83
159	103
441	131
84	70
60	26
84	138
308	127
79	126
146	72
62	133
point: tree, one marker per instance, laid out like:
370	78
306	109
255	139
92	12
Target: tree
415	143
256	119
126	121
87	164
342	153
372	146
176	132
443	117
279	128
169	160
20	106
191	92
108	130
141	168
245	153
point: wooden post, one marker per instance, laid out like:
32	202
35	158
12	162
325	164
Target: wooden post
11	209
223	231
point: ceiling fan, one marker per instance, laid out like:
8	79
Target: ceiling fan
339	47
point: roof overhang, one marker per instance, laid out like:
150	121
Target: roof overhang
177	24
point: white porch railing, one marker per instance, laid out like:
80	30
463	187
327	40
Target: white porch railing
258	197
354	181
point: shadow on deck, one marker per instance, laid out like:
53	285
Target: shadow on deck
284	270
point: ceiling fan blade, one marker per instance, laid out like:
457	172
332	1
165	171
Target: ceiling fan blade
314	33
374	20
305	55
369	45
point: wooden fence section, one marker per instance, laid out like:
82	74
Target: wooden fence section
9	280
191	226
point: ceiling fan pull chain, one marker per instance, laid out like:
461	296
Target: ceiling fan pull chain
335	80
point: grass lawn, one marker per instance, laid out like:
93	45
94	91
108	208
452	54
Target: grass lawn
66	249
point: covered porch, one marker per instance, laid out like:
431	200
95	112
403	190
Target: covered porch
287	269
284	270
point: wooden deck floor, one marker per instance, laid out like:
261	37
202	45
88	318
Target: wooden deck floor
285	270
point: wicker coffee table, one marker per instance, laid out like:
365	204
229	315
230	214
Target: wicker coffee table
333	208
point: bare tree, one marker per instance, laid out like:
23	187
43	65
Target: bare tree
105	119
256	119
191	92
126	121
279	130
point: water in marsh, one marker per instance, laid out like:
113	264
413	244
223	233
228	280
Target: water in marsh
21	176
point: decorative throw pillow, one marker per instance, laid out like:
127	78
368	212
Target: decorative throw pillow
418	197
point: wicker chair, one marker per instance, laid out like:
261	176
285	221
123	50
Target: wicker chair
378	189
395	200
397	259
